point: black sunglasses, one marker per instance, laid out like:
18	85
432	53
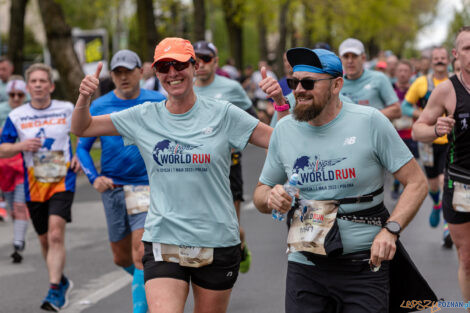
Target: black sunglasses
164	66
19	94
307	83
204	58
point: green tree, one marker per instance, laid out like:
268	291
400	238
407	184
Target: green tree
461	18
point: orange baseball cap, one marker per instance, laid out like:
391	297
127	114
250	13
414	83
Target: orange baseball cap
174	48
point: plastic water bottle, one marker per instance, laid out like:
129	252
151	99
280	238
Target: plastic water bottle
291	189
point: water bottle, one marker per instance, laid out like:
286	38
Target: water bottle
291	189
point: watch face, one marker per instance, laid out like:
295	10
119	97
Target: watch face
393	227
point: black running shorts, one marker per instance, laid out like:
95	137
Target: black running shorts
59	204
220	275
450	215
310	289
236	180
439	154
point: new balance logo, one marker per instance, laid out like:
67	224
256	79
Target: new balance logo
229	274
349	141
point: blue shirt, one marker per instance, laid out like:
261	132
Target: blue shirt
123	165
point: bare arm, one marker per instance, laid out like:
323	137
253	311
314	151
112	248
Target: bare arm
83	124
8	150
392	111
267	198
261	135
431	124
414	193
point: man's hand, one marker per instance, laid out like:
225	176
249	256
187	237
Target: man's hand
32	144
75	164
91	82
279	200
103	183
444	125
383	248
271	87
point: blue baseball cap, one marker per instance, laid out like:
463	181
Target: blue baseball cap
315	61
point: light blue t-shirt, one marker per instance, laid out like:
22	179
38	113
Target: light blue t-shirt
187	157
3	91
371	89
223	88
345	158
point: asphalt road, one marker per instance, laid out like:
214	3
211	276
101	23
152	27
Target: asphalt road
100	286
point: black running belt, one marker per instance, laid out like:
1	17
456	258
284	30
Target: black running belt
361	199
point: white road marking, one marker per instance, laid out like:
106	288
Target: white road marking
96	290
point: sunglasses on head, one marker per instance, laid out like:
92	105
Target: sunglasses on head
16	94
204	58
307	83
164	66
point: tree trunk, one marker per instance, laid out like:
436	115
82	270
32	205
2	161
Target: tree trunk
16	36
148	36
199	28
262	38
59	43
308	27
281	47
233	11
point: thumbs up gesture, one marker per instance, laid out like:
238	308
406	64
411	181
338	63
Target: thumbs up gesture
91	82
271	87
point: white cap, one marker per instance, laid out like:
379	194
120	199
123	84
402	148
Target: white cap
16	85
351	45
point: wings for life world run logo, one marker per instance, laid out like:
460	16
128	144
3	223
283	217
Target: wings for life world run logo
169	152
315	169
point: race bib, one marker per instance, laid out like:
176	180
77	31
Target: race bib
461	198
404	122
49	166
426	154
183	255
137	198
310	225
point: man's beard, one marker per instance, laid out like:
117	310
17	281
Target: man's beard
306	113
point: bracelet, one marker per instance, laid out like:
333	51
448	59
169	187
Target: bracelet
282	108
435	131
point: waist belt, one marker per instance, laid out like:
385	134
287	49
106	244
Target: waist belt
457	173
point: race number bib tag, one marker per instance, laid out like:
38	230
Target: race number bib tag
49	166
137	199
426	153
184	255
308	231
404	122
461	198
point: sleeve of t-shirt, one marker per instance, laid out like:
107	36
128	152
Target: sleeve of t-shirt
387	93
9	133
239	97
273	169
239	126
127	123
83	153
388	146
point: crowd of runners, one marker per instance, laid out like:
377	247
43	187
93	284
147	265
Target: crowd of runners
337	122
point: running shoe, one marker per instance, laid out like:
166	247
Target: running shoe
66	289
246	260
16	256
54	300
447	239
435	216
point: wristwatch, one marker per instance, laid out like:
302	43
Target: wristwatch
393	227
281	108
